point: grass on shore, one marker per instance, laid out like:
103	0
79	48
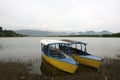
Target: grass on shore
20	71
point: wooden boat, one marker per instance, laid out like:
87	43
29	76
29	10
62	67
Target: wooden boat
53	55
81	55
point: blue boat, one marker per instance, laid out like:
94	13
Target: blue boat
53	54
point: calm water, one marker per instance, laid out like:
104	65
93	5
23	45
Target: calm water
28	48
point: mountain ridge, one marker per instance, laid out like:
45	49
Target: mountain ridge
51	33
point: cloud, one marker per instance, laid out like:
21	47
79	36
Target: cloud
60	14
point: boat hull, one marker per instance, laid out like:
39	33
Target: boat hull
87	61
67	67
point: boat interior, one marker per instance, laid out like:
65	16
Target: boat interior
54	51
76	47
78	52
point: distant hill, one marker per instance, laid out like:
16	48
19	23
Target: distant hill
94	33
39	33
34	32
50	33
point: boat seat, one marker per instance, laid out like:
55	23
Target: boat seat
75	51
56	53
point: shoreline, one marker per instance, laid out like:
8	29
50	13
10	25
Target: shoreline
21	71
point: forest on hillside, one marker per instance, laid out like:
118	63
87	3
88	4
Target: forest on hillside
9	33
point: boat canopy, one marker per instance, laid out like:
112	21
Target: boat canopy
48	45
74	42
78	43
48	41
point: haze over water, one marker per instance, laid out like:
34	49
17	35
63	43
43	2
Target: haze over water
28	48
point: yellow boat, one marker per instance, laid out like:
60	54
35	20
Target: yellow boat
53	55
82	56
88	60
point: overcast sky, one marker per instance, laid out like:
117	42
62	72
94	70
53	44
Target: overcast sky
61	15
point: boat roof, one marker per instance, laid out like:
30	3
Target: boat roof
73	42
48	41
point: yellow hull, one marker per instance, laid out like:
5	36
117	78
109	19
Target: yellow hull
60	64
86	61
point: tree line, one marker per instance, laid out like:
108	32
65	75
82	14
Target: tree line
103	35
9	33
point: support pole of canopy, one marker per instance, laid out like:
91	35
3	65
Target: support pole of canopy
81	46
68	50
85	48
48	50
76	46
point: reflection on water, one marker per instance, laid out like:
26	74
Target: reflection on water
49	70
1	47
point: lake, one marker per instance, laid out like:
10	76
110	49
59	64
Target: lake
28	48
